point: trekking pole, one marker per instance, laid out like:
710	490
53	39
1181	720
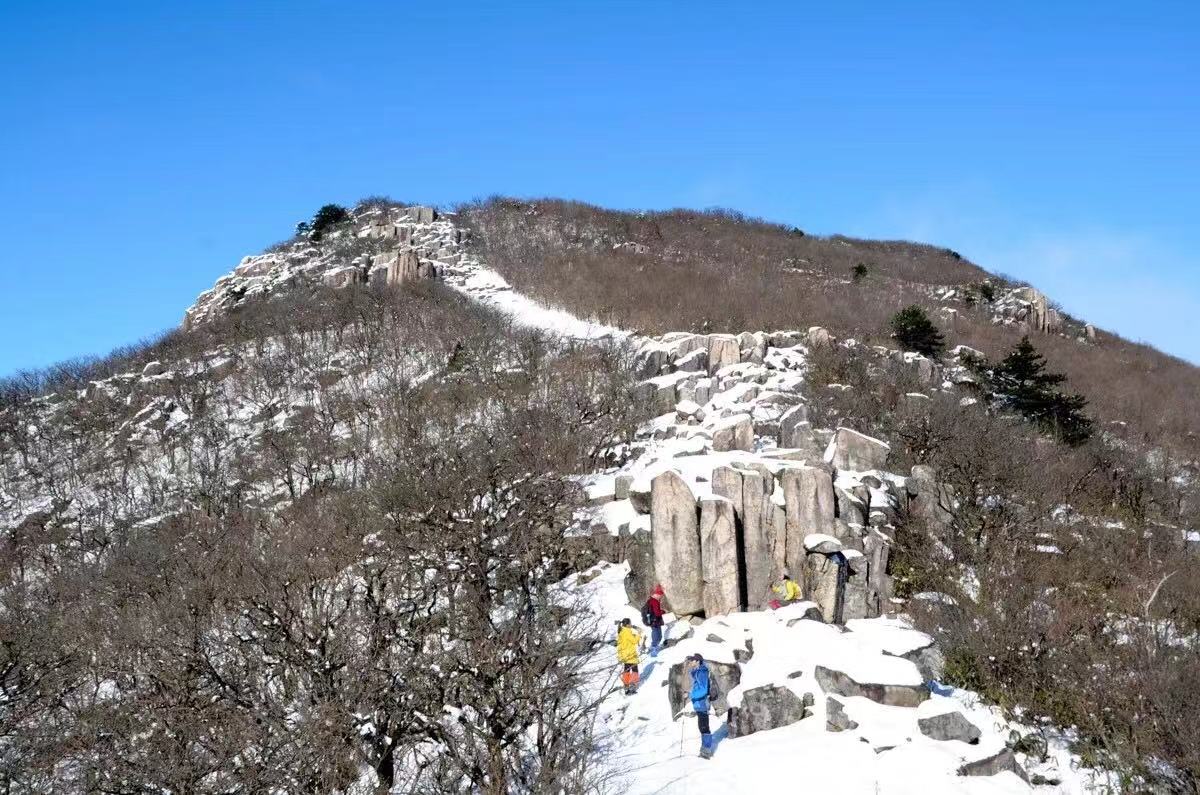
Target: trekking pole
682	729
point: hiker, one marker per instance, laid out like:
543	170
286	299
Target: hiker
699	694
652	616
788	592
628	641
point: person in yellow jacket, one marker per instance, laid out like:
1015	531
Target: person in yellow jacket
628	642
787	591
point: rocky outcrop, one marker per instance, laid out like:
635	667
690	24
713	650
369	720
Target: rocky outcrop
719	558
897	694
1039	315
824	583
733	433
675	524
929	500
723	349
679	684
765	708
762	538
856	451
809	508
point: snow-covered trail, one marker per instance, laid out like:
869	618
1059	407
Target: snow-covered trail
488	287
649	751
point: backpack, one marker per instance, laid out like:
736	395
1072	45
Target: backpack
647	614
714	692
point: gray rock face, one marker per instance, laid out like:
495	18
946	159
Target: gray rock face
824	583
858	600
949	726
809	506
929	500
855	451
679	684
1040	316
650	361
694	362
788	422
402	266
718	554
877	547
841	684
765	708
836	719
736	433
420	215
764	556
929	661
676	530
639	549
723	350
996	763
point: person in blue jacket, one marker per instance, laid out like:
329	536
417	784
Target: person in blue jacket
699	696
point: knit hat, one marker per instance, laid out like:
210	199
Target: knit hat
658	591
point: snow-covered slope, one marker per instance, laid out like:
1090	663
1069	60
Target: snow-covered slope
652	751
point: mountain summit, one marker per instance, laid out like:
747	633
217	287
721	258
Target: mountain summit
370	519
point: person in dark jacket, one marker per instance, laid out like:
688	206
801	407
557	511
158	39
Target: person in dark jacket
699	696
654	611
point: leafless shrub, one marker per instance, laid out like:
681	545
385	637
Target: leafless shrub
720	271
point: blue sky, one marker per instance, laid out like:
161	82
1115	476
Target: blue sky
145	147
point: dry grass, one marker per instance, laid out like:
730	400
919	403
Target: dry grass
722	271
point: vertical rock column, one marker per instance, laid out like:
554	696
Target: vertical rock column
676	529
719	556
809	508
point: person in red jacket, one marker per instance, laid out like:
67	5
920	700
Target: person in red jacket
652	616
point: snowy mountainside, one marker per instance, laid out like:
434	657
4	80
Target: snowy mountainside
729	486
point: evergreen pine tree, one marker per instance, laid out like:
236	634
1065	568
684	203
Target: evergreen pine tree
1021	383
327	217
913	329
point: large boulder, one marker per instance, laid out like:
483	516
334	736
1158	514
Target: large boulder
950	725
723	349
858	600
734	433
718	555
788	422
825	583
748	491
679	684
809	507
855	451
902	688
1004	761
765	708
675	525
